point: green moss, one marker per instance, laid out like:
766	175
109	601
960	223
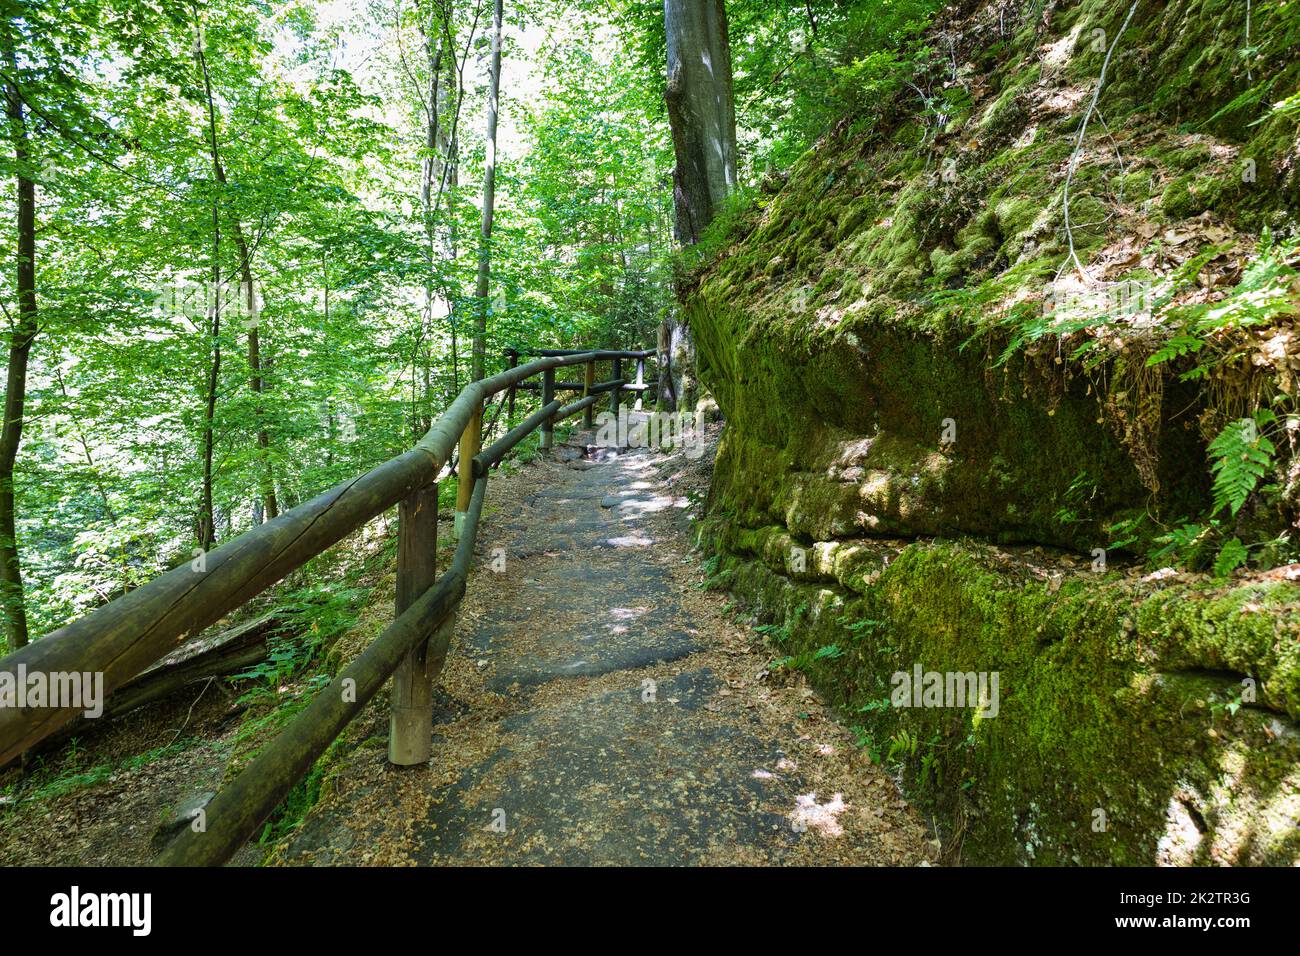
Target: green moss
1100	710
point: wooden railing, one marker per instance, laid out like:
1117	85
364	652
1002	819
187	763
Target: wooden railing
127	635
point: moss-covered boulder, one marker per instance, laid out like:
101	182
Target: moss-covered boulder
1123	721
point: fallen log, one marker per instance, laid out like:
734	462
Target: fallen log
219	654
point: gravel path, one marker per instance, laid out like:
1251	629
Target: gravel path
600	707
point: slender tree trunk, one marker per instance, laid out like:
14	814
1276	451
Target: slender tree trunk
207	525
455	95
248	288
255	380
248	285
489	198
431	169
20	346
701	111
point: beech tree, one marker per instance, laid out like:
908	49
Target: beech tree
21	334
702	111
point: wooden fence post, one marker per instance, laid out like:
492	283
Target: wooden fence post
616	400
588	382
510	412
410	723
469	447
548	396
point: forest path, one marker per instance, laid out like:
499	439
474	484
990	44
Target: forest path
599	707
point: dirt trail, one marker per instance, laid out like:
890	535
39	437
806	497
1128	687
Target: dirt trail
599	707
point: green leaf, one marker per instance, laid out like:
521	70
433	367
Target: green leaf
1232	556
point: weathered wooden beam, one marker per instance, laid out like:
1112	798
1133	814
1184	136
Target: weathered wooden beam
501	447
616	396
236	812
588	382
548	396
410	725
581	405
601	355
470	440
559	386
189	667
225	652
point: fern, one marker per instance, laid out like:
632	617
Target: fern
1287	107
1232	556
1181	543
1242	457
1176	348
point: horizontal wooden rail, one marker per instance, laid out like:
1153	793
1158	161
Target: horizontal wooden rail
501	447
125	636
577	386
579	405
236	812
599	356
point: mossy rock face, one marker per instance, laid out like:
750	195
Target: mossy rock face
829	333
1116	732
864	334
880	429
846	334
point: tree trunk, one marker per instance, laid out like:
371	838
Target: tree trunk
431	168
455	93
252	319
206	530
255	380
701	111
20	346
489	198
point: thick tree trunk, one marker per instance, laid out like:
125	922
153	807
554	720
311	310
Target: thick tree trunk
201	659
489	198
20	346
701	111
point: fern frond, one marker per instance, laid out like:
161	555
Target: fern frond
1242	456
